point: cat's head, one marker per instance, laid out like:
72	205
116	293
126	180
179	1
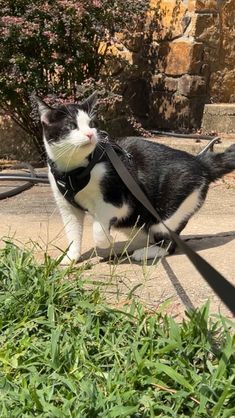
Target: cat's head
68	129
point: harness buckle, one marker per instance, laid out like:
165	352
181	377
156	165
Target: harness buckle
61	183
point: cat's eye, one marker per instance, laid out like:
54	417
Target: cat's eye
92	123
72	125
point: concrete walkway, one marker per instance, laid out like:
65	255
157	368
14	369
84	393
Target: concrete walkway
32	217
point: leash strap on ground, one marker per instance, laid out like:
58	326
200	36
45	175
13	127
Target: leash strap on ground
221	286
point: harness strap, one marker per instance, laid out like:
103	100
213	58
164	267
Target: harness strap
221	286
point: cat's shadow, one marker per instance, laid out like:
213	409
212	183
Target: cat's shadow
196	242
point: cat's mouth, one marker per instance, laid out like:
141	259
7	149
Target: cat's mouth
89	141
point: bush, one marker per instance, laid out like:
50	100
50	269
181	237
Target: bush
53	47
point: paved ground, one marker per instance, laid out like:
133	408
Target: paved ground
32	217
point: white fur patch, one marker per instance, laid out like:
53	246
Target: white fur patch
187	208
91	198
148	253
83	120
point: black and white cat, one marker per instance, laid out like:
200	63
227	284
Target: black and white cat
175	182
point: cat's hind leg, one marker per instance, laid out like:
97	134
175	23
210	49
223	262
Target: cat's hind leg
164	246
168	243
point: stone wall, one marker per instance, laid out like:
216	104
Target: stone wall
179	86
182	57
222	62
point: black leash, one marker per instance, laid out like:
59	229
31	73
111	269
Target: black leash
221	286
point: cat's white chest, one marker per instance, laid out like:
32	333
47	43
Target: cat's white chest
91	198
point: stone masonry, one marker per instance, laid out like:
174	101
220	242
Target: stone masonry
182	58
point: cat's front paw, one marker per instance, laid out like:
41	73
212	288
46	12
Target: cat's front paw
148	253
70	258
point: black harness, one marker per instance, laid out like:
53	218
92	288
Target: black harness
71	182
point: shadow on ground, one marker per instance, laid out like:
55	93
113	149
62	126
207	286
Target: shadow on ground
196	242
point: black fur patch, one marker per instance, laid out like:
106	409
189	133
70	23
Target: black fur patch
60	122
166	175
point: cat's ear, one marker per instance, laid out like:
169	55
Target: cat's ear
42	107
89	103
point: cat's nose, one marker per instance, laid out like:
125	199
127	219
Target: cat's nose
89	135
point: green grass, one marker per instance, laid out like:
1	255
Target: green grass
65	353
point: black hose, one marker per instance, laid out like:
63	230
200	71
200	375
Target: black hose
210	145
193	136
15	191
34	180
30	179
213	139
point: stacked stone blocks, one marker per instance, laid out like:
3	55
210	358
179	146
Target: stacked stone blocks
182	58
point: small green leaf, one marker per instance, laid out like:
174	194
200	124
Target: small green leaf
55	336
177	377
122	411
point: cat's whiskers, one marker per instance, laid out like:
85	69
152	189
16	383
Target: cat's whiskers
64	158
99	145
63	150
59	156
71	155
